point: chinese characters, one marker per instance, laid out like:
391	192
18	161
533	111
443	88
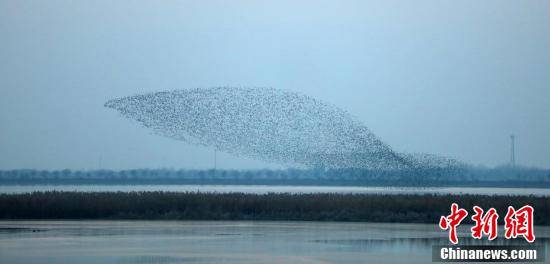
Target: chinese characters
452	221
517	223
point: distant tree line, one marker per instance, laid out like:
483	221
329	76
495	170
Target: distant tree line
500	176
238	206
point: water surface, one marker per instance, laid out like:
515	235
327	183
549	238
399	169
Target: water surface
262	189
225	242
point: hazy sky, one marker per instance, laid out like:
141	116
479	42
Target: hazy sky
454	78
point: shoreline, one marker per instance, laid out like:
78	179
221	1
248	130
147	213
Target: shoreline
323	183
265	189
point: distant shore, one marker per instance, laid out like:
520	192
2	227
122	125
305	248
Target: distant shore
519	177
282	182
405	208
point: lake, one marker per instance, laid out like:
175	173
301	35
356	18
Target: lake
262	189
225	242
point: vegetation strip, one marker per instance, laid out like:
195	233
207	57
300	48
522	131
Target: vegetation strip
238	206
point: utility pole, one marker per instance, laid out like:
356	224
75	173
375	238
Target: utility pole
215	163
512	151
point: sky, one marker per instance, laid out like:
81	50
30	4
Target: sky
453	78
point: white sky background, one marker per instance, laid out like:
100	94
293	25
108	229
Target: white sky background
454	78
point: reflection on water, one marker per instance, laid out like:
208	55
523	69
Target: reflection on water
226	242
263	189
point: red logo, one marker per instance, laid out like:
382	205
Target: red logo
484	224
452	221
517	223
520	223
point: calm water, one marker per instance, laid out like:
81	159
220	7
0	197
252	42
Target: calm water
224	242
277	189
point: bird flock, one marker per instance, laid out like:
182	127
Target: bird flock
271	125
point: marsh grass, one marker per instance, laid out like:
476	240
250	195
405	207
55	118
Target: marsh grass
404	208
